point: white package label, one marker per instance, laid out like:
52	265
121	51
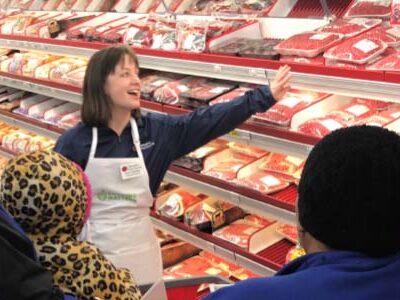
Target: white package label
365	45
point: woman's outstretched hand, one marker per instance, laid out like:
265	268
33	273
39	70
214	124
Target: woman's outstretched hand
280	84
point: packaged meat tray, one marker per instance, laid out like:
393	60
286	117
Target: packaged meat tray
27	103
258	220
226	169
174	205
281	165
164	36
65	66
75	77
308	44
389	63
152	82
231	47
385	33
368	8
139	35
350	27
289	232
54	114
35	60
170	92
175	251
256	7
263	182
38	111
316	61
347	65
252	238
210	214
191	37
320	127
194	266
204	93
194	160
358	50
43	71
382	118
240	91
295	100
70	120
246	150
264	48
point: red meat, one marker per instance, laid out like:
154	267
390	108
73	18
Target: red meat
388	34
389	63
264	182
282	112
357	50
258	221
350	27
368	8
240	91
317	61
321	126
194	266
289	232
283	165
227	169
177	203
308	44
237	233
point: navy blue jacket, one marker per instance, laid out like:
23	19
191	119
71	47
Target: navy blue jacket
332	275
165	138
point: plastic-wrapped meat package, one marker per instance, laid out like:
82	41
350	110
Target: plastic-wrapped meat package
43	71
175	251
37	111
288	231
152	82
75	77
114	36
282	112
65	66
35	60
176	204
203	93
27	103
170	92
219	27
382	118
15	63
70	120
194	160
10	104
368	8
256	7
223	6
263	48
358	50
139	35
227	169
395	12
164	36
258	220
281	164
246	150
263	182
316	61
38	143
240	91
320	127
198	7
194	266
389	63
308	44
346	65
16	141
191	37
359	109
211	214
350	27
56	113
231	47
237	233
385	33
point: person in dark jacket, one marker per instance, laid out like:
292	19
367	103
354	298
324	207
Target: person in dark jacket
348	222
22	276
126	157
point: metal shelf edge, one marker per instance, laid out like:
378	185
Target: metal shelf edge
226	254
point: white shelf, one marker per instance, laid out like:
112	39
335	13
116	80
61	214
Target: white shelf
332	84
270	143
206	245
244	202
30	127
41	89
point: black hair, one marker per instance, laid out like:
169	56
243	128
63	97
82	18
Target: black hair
349	192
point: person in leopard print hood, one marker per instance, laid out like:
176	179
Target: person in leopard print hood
49	196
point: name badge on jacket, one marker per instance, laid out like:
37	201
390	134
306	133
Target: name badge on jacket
131	170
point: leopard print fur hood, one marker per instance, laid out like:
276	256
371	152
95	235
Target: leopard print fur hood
48	196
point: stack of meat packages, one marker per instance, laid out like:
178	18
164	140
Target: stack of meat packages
357	111
356	42
257	48
253	7
53	111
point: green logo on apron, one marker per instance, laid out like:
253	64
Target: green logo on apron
107	196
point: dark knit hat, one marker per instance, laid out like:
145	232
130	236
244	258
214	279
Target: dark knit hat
349	192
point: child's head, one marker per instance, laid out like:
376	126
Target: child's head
46	193
111	82
349	192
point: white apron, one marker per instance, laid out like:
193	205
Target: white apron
119	222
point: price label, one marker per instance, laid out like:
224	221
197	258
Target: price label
217	68
234	198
